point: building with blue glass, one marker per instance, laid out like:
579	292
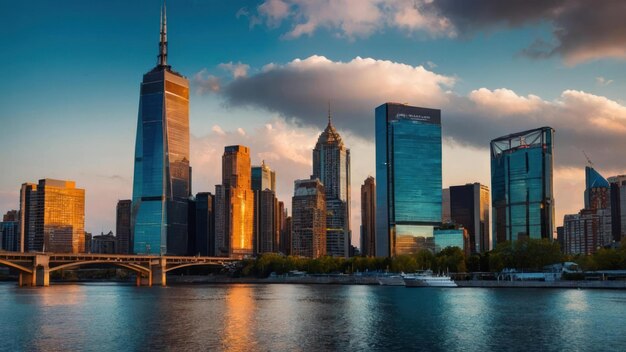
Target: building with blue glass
452	237
408	173
522	186
161	184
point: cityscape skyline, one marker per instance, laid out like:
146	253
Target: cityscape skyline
111	179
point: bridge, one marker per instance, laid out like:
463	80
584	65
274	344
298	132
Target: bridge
35	268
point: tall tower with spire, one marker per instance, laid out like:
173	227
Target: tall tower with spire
331	165
162	177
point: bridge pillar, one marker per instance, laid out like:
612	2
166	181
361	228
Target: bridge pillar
26	279
157	269
41	270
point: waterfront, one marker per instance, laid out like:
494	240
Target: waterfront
241	317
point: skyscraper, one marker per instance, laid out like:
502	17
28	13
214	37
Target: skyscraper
308	221
239	201
331	165
205	224
591	228
521	185
368	217
122	226
469	207
10	231
161	184
266	216
408	176
618	207
54	216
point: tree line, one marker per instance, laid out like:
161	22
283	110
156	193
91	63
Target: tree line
524	254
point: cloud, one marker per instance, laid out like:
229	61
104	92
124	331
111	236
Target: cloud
348	18
299	91
205	82
582	30
236	69
601	81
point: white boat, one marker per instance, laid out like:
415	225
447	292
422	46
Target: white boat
426	279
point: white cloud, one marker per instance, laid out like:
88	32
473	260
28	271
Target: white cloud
205	82
601	81
236	69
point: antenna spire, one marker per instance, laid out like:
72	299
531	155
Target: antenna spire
163	39
329	117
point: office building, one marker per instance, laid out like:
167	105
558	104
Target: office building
222	239
266	216
122	226
618	207
331	165
522	186
368	217
236	230
469	207
283	243
408	177
10	231
52	215
591	228
263	177
452	236
204	220
162	177
308	220
104	243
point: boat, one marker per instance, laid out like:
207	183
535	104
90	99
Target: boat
427	279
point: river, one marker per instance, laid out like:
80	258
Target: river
291	317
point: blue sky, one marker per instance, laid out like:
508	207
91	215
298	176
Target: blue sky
72	69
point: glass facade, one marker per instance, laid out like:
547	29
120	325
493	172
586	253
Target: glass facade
308	223
408	170
521	185
450	238
161	184
469	207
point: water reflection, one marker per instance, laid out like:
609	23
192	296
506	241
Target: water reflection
240	310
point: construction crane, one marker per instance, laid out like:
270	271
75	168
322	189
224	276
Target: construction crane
588	159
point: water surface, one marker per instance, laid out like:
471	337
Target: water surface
285	317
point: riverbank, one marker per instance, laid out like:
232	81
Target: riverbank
373	280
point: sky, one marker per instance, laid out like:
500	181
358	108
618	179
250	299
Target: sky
262	73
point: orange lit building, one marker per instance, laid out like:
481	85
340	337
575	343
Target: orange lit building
54	217
239	202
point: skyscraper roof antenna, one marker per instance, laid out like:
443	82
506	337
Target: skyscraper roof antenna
163	37
329	118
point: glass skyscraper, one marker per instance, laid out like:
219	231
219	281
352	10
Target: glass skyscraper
161	185
408	173
521	185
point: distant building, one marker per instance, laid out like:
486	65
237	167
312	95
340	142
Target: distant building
368	217
52	216
10	232
87	239
284	243
288	235
452	237
618	207
308	225
238	208
408	177
204	224
222	240
331	165
266	217
522	185
104	244
122	226
591	228
469	207
162	176
263	177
